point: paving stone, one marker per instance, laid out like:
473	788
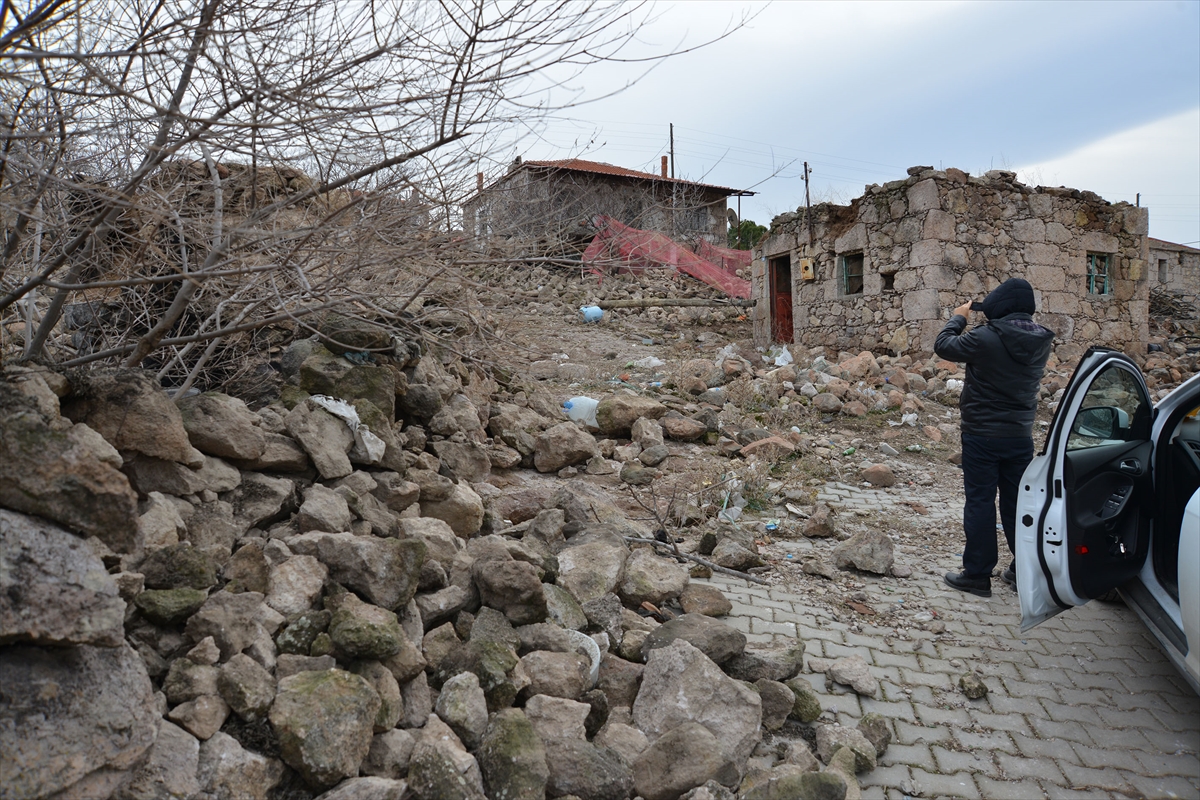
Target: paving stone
991	742
1051	729
1171	786
1108	779
1014	723
1054	792
941	716
1010	790
958	785
914	755
1098	758
1042	769
1053	749
955	761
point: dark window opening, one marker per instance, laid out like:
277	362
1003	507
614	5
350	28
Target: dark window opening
889	282
852	273
1162	270
1098	273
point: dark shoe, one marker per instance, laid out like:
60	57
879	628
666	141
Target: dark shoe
1009	576
977	586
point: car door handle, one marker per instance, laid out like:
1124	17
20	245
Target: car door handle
1131	466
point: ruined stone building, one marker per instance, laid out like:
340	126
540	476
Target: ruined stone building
1175	268
554	201
884	271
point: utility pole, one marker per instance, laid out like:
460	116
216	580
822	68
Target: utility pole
808	205
672	149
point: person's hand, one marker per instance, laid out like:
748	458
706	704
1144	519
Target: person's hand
964	310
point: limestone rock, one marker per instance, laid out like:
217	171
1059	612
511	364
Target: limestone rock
592	569
187	680
234	621
262	499
512	587
280	454
807	705
557	717
711	637
788	781
202	717
73	718
777	702
223	426
470	461
170	770
972	686
369	788
682	428
389	754
680	760
878	475
734	555
457	414
832	737
462	706
53	589
62	476
133	414
616	413
441	769
770	661
820	524
246	687
586	771
513	758
324	722
869	551
556	674
496	666
169	606
701	598
385	571
394	491
651	579
361	630
681	684
627	740
462	510
851	670
391	701
179	566
561	446
877	730
323	510
653	456
294	586
229	772
325	438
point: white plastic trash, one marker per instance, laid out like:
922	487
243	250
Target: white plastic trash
582	409
784	358
592	313
649	362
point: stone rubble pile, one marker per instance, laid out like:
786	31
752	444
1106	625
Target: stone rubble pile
203	601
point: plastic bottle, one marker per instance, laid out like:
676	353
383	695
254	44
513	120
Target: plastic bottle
592	313
582	409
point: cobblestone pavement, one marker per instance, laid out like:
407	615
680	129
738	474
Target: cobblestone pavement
1083	706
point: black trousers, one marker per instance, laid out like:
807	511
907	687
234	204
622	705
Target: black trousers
990	465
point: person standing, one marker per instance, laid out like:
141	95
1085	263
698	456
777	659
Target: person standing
1004	361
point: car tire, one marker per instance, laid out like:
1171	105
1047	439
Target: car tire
1111	596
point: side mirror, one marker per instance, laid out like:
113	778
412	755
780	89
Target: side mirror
1098	422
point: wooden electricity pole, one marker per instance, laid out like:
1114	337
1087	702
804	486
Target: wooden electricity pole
808	204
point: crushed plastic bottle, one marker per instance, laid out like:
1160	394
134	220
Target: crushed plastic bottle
592	313
582	409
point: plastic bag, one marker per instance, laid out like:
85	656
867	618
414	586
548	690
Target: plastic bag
592	313
784	358
367	446
649	362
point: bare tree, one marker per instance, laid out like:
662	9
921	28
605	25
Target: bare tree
175	175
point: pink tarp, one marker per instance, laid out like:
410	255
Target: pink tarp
727	258
618	245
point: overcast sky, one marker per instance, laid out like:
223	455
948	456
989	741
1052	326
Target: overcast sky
1100	96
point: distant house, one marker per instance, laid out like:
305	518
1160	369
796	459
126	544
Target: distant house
883	272
1175	269
553	202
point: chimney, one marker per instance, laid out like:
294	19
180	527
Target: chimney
664	166
479	182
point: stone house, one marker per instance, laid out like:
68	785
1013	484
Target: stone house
1175	269
554	202
883	272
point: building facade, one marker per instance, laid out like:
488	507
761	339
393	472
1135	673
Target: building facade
555	201
883	272
1175	269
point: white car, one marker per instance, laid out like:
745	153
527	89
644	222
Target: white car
1113	502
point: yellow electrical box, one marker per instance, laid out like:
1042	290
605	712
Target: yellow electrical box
807	272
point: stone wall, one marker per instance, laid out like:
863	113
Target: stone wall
1175	269
939	238
532	204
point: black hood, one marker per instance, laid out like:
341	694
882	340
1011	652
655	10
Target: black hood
1025	340
1013	296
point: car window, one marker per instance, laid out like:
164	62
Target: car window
1115	409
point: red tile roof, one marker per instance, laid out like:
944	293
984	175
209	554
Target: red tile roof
599	168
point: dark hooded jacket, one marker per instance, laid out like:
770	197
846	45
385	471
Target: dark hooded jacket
1005	360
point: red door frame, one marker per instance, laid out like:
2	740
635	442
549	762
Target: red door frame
779	271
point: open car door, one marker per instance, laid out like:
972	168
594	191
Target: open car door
1085	502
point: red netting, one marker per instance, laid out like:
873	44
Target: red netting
620	246
729	259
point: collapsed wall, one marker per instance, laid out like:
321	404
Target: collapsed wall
887	268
